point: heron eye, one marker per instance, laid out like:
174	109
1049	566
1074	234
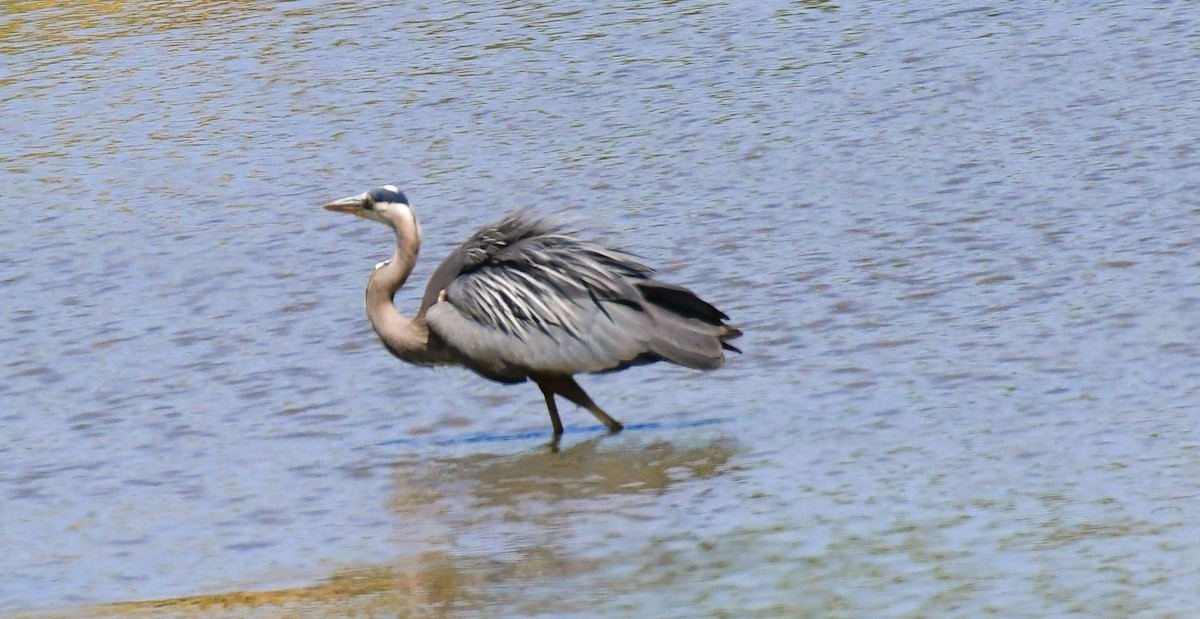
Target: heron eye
368	203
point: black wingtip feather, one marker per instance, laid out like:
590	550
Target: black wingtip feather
681	301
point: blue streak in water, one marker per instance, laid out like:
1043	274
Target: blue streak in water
491	437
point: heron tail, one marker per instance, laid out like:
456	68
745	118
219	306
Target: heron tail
688	330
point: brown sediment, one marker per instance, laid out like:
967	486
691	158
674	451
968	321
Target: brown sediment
358	583
377	591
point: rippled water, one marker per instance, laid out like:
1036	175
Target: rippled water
962	241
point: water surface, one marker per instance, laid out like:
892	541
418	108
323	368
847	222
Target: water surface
962	241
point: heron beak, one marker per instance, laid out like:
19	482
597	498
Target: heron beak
351	204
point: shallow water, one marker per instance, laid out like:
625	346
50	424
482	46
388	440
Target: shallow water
962	242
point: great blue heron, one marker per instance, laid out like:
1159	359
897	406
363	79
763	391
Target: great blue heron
524	299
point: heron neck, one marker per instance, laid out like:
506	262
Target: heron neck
407	339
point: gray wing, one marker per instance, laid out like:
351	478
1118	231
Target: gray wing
527	297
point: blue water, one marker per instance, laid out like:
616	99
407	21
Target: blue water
961	240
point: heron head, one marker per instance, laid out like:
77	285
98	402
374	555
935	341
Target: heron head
385	204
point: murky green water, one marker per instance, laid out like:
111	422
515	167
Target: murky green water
964	244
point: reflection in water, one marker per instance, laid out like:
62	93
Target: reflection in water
525	507
527	519
582	471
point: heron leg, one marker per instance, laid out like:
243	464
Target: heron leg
548	393
569	389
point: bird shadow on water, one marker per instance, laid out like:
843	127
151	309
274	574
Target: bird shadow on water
597	429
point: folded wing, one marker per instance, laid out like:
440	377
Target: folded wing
525	297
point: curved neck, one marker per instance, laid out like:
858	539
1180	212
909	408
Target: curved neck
405	338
